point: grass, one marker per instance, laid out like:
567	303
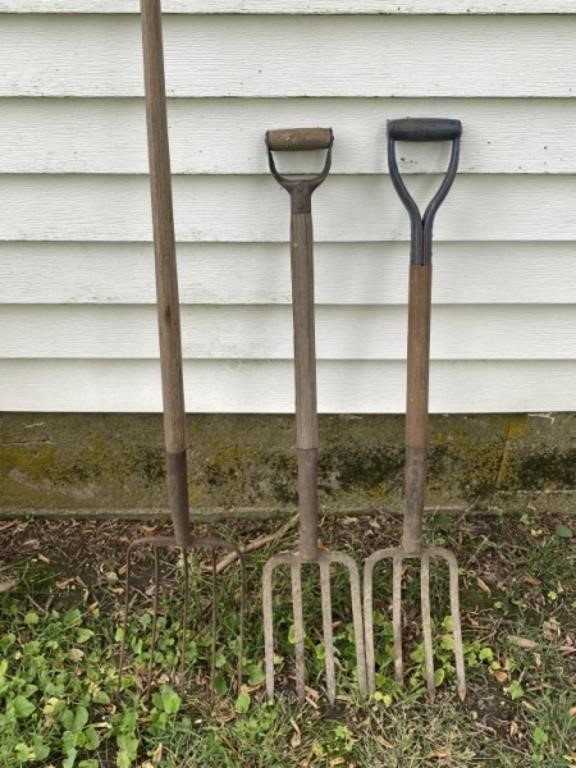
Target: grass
63	705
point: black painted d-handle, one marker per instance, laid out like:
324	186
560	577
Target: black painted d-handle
424	129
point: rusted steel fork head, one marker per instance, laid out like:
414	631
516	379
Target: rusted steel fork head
418	364
398	555
323	560
185	545
309	551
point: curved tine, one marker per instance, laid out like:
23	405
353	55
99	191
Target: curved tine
242	563
457	626
397	616
154	636
268	622
443	189
357	618
214	621
450	558
369	565
186	577
298	614
213	543
369	625
427	624
126	611
268	618
327	630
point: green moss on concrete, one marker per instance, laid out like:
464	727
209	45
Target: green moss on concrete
117	461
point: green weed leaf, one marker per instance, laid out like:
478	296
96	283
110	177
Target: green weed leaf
171	701
515	690
23	708
84	635
91	739
563	532
242	703
539	736
80	718
70	759
220	684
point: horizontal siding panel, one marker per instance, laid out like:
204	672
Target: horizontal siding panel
266	387
295	6
255	209
265	333
247	273
282	56
226	136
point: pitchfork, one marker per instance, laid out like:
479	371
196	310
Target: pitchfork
309	551
170	361
419	310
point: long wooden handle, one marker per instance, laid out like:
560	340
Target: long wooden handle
166	274
418	366
302	267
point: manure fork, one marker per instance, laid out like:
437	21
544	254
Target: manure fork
419	310
170	361
309	551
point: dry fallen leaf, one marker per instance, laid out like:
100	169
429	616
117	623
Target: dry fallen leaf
533	581
296	739
6	583
523	642
384	742
572	711
500	676
75	654
551	629
483	586
514	728
440	754
157	754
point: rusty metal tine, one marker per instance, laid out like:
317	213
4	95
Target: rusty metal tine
456	624
427	623
126	612
242	565
296	578
185	596
327	630
214	618
357	618
268	621
397	616
369	624
154	635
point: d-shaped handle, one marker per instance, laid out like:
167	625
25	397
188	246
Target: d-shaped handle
423	129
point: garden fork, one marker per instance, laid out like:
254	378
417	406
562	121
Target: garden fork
309	550
170	361
418	361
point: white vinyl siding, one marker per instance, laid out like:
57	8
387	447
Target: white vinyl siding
77	317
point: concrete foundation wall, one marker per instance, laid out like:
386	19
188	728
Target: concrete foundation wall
102	465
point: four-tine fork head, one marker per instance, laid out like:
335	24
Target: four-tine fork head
398	555
295	561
